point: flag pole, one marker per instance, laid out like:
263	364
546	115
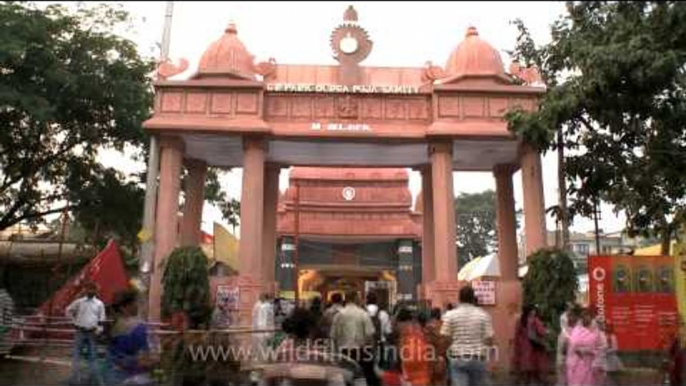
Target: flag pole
147	250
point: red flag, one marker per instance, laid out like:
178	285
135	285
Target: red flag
106	270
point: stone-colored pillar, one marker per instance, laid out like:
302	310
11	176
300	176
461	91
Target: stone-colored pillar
534	202
445	250
167	221
195	198
271	198
252	208
506	222
428	259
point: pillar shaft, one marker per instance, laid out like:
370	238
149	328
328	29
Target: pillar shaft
428	259
534	203
167	221
252	201
271	198
445	249
506	222
193	204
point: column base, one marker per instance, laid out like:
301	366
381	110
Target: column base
249	291
440	293
505	313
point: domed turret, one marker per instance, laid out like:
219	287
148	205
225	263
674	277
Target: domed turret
228	56
474	56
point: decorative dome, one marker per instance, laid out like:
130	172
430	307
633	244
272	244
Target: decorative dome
474	57
228	55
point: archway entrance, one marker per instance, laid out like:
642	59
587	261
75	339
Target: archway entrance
266	116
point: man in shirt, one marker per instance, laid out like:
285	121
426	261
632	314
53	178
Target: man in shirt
352	332
382	326
262	319
87	315
471	332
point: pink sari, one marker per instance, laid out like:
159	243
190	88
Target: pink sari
583	349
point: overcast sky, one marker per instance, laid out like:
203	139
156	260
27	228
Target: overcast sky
404	34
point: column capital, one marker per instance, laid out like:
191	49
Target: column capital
504	169
272	166
255	143
194	163
445	147
171	141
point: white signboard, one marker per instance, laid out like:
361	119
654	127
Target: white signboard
485	291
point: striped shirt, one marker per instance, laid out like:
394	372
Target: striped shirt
467	326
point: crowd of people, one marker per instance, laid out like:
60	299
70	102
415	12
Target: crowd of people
402	346
586	352
365	342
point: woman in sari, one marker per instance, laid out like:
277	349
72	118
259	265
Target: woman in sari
413	349
440	343
129	352
585	343
530	359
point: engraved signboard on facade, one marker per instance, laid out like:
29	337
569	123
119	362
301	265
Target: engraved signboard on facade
352	127
339	88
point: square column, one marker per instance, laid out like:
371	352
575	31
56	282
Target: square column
508	287
406	278
506	222
252	209
194	201
271	198
445	248
167	221
428	263
534	201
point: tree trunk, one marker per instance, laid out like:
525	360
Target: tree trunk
666	241
562	187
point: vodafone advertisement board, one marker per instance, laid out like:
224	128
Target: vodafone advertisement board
636	295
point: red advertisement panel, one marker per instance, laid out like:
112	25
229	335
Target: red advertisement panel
636	295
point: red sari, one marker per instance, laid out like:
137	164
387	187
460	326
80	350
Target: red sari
526	357
414	353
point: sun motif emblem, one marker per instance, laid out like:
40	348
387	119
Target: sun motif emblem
348	193
350	42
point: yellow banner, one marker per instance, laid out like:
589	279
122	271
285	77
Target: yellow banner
225	247
680	276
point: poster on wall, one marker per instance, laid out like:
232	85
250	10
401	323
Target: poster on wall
226	306
636	295
484	291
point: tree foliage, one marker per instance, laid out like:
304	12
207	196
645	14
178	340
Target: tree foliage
68	88
476	227
186	285
550	283
616	73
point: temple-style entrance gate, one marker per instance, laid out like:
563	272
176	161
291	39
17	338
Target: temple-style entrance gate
266	116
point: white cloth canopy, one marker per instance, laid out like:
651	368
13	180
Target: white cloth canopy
479	267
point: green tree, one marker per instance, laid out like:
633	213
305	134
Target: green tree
476	227
616	76
550	283
69	87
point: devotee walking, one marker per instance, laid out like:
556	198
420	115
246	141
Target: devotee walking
562	346
87	314
262	319
530	356
382	327
471	332
413	349
439	364
613	364
352	331
130	357
327	318
584	345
